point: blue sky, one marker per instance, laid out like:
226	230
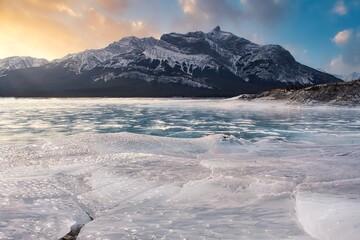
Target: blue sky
320	33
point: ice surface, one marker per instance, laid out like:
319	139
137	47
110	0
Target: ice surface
29	120
294	176
330	210
139	186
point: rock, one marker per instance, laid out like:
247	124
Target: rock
345	93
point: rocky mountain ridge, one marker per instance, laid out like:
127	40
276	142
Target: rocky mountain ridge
351	77
13	63
196	64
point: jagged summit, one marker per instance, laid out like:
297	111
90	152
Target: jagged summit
216	63
216	29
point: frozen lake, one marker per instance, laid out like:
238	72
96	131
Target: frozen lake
178	169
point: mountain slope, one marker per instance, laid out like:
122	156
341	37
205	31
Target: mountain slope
214	64
12	63
352	76
348	78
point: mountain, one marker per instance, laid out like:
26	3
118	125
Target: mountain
352	76
12	63
347	78
196	64
342	93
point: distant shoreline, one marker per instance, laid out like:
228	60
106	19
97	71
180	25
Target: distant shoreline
344	93
338	94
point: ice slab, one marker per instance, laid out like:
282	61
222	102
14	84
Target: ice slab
330	210
138	186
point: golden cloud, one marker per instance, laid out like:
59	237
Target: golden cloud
342	36
188	6
52	29
33	34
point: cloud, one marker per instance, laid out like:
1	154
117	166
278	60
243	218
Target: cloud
338	66
336	61
340	8
349	59
206	14
53	29
350	46
188	6
351	51
34	34
117	6
342	36
100	30
261	11
66	9
265	11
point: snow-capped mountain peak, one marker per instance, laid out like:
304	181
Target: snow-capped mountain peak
216	29
116	54
12	63
217	63
346	77
352	76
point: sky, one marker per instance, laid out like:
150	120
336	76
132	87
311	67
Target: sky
320	33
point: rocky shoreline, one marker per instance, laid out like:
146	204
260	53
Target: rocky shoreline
343	93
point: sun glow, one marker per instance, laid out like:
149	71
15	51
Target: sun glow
53	29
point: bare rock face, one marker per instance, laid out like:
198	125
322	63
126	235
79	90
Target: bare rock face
344	93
